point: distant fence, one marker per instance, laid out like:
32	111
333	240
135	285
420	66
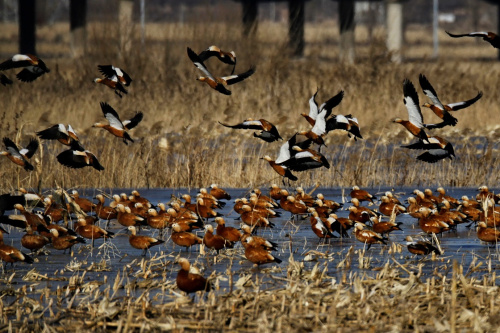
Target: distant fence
469	14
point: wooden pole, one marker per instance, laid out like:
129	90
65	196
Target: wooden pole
78	22
27	35
347	24
250	11
394	25
296	22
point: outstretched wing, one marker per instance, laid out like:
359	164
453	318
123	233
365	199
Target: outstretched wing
331	103
4	80
412	104
429	91
131	123
247	124
232	79
433	155
111	116
107	70
313	106
199	63
462	105
30	149
471	34
28	76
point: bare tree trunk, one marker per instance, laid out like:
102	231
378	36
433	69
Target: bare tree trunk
250	11
395	29
78	21
347	24
296	27
27	29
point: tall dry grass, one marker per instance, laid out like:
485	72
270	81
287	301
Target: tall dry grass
179	143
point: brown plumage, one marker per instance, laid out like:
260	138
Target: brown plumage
33	242
104	212
158	221
387	207
384	227
10	254
142	242
367	236
136	198
442	195
420	247
361	195
215	242
296	207
256	240
91	231
275	192
229	233
217	83
183	238
429	223
126	218
219	193
188	281
32	219
64	242
318	227
488	235
85	204
55	211
257	254
254	218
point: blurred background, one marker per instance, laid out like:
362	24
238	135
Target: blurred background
394	16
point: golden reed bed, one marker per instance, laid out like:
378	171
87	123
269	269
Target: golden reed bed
397	299
180	143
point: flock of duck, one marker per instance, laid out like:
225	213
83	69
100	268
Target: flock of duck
40	217
436	214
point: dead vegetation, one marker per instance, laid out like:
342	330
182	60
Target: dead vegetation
180	143
143	297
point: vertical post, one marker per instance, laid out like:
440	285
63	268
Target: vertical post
394	25
27	30
78	21
498	25
435	27
250	10
347	24
125	25
182	13
296	20
143	21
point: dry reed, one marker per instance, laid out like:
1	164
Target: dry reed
397	297
180	143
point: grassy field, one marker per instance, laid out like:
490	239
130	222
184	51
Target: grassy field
180	142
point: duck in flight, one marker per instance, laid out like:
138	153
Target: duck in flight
77	157
34	67
268	132
115	74
489	36
441	110
217	83
116	126
224	56
437	149
20	156
415	122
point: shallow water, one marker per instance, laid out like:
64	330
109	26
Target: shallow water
293	237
